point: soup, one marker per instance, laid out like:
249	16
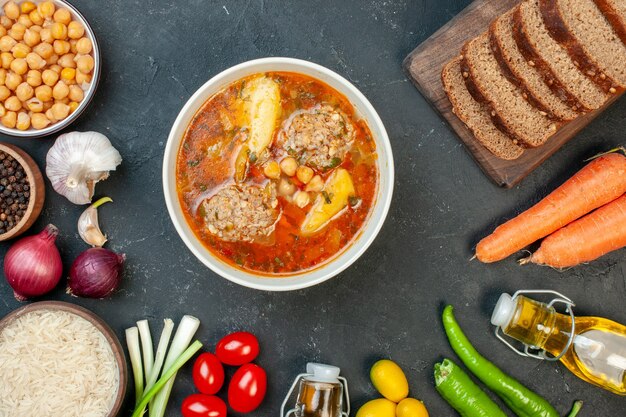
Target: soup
276	174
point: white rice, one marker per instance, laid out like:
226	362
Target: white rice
55	363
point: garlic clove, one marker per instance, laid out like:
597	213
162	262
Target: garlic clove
88	227
77	161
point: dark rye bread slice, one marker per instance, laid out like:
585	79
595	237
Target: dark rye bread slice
475	115
615	13
525	76
581	28
552	60
483	77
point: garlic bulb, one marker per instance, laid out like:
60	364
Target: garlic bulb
88	227
77	161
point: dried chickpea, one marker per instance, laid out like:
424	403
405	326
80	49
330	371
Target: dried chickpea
3	111
7	43
68	74
60	111
4	93
3	75
33	78
47	105
304	174
49	77
19	66
36	18
54	58
289	166
65	100
85	64
24	91
9	119
13	103
44	50
50	116
3	31
302	199
23	121
20	50
11	10
25	20
60	90
39	120
6	58
31	37
35	28
34	61
56	68
35	105
272	170
75	30
27	6
6	22
46	35
12	81
17	31
73	106
82	78
58	30
61	47
46	9
67	61
43	93
83	46
62	16
286	188
315	185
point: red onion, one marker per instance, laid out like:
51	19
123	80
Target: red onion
32	266
96	273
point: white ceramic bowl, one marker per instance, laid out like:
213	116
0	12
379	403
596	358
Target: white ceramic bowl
385	166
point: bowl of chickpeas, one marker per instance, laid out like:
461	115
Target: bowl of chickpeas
49	66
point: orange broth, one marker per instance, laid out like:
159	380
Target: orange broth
205	164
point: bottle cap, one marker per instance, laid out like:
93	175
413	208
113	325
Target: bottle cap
322	373
503	313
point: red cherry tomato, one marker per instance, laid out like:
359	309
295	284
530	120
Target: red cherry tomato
247	388
237	348
200	405
208	374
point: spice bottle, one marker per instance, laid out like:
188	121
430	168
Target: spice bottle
322	393
593	348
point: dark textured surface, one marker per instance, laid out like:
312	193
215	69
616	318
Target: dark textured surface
387	304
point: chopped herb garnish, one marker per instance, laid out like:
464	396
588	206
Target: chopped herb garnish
186	146
253	157
354	200
335	162
278	261
327	197
202	187
193	163
239	260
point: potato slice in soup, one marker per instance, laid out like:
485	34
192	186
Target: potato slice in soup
262	97
334	197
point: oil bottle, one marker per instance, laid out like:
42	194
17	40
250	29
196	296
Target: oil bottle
322	393
593	348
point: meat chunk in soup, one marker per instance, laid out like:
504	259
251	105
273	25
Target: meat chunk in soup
319	137
242	213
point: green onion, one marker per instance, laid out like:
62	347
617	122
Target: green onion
578	404
132	340
146	347
168	376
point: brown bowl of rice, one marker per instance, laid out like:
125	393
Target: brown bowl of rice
59	359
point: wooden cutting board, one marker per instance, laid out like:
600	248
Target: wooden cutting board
423	66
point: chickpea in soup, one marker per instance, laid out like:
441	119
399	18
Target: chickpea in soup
276	174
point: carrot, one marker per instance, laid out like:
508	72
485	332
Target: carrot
598	183
586	239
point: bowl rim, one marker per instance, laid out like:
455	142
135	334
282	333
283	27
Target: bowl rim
295	281
37	188
89	94
98	323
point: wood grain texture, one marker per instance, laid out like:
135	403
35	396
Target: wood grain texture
423	66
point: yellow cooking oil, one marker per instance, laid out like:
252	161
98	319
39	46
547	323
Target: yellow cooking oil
597	353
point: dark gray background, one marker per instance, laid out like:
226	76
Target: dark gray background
387	305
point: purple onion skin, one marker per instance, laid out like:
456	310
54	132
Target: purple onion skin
96	273
33	266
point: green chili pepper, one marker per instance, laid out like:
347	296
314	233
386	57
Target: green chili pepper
456	387
521	400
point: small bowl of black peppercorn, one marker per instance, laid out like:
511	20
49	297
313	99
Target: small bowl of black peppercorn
22	191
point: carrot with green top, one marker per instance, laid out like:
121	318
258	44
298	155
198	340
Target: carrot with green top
598	183
586	239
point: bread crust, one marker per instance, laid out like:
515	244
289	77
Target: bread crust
616	20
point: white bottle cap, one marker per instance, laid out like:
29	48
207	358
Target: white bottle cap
322	373
503	313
